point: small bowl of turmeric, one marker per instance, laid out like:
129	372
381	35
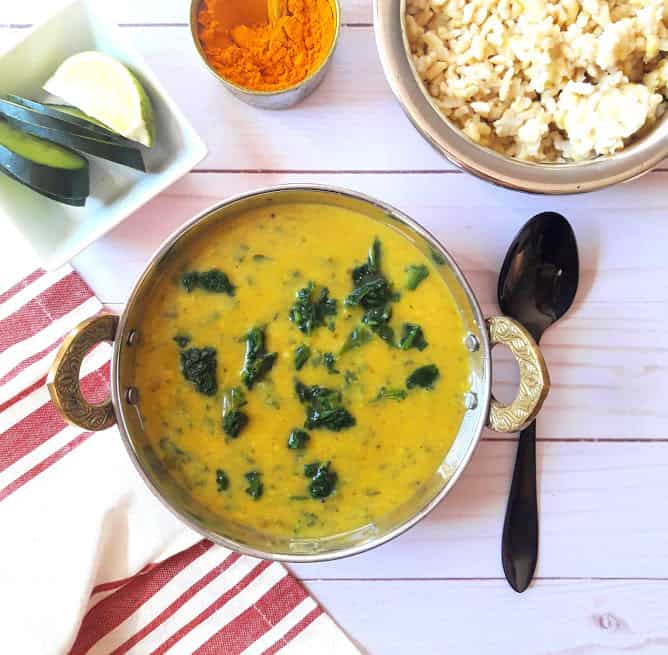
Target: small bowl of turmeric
269	53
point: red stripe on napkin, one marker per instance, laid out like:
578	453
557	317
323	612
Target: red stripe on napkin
29	361
257	571
19	286
231	636
53	303
45	422
294	632
179	602
113	610
117	584
43	465
23	394
251	624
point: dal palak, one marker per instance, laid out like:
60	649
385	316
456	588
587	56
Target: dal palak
302	369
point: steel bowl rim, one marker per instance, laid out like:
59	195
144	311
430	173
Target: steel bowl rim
194	6
542	178
483	406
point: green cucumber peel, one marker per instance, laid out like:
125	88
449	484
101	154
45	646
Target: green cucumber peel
46	167
117	153
75	201
72	116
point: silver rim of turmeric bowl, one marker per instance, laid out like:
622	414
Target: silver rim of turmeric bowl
635	160
243	91
481	410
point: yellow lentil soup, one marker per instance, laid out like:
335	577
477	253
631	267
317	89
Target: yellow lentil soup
301	369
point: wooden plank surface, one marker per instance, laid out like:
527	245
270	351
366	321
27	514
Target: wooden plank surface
484	617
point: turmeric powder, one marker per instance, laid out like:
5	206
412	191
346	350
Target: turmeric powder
272	56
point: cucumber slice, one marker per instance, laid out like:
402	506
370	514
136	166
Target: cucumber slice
18	112
46	167
105	149
38	150
74	202
72	116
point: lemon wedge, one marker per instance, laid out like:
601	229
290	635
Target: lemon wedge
106	90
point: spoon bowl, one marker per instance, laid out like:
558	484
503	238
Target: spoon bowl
540	275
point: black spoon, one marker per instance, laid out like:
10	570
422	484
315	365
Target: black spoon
537	286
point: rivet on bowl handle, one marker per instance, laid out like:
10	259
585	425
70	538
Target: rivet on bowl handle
63	380
534	378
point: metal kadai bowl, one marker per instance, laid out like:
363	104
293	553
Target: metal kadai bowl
124	406
636	159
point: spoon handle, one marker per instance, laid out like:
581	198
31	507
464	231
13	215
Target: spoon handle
519	549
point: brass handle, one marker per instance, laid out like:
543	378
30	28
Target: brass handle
63	380
534	378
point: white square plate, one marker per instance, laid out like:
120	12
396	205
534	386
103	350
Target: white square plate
57	232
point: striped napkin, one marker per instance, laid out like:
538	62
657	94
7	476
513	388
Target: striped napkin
90	561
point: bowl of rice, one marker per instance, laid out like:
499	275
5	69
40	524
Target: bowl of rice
545	96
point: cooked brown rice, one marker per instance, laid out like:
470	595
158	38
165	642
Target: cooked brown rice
544	80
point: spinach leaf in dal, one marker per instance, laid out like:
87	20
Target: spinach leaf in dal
182	340
257	361
416	273
234	420
330	363
255	487
308	312
222	481
371	287
357	338
424	377
412	337
323	480
378	318
437	258
373	292
198	366
324	408
298	439
214	281
302	354
390	394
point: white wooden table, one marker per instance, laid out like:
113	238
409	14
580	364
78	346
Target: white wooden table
602	579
